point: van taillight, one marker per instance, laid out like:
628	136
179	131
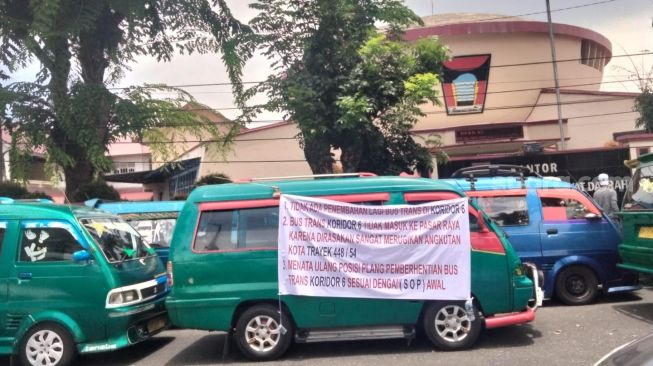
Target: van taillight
169	273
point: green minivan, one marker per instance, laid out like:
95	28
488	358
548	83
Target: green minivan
74	280
223	272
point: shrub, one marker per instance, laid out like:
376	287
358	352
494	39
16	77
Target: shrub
96	189
216	178
18	191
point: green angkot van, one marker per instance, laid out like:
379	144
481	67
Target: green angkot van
74	280
223	271
636	214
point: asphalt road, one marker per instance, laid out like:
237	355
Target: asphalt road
560	335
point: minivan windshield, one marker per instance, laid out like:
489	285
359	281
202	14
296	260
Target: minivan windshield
117	239
640	191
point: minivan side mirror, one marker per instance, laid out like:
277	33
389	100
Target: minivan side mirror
82	256
592	217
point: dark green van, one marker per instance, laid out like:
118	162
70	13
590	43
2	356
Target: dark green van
223	271
74	279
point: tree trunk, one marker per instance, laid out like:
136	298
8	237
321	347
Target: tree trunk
80	173
93	64
318	155
350	157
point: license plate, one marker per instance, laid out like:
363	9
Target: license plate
156	324
646	232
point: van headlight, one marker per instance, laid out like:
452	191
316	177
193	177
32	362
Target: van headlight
123	297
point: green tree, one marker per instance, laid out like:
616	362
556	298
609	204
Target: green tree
641	76
84	47
644	105
345	85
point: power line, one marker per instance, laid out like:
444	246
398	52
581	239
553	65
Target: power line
540	87
562	88
489	108
293	138
520	106
539	12
648	53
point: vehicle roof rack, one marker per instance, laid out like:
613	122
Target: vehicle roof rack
494	170
316	176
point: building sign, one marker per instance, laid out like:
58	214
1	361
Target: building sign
489	133
412	252
579	168
465	84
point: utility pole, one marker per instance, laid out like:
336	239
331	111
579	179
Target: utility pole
555	76
4	123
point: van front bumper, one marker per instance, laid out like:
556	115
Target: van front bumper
537	277
130	325
528	315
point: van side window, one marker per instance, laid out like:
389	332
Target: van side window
47	245
560	209
238	229
259	227
506	210
473	223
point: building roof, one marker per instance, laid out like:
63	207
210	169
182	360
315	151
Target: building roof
158	175
459	24
126	146
457	18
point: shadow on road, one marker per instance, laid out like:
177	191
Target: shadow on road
208	349
602	299
640	311
515	336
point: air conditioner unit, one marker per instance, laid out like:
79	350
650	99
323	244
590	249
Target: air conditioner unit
532	148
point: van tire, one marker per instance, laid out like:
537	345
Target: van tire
259	327
55	340
448	326
576	285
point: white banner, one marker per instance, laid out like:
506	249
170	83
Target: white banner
335	249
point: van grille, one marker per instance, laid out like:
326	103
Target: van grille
153	290
14	321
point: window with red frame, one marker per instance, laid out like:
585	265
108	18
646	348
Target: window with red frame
562	209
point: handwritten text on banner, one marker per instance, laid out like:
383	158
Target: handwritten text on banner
335	249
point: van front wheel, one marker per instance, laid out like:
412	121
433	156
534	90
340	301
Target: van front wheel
577	285
47	344
449	326
263	333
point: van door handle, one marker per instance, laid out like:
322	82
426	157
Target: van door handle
551	231
25	275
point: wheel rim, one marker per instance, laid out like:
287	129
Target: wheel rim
262	333
44	347
452	323
576	285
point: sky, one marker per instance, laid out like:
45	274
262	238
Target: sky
626	23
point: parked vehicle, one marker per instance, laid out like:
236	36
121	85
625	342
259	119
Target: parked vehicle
74	280
554	225
154	220
223	272
637	217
